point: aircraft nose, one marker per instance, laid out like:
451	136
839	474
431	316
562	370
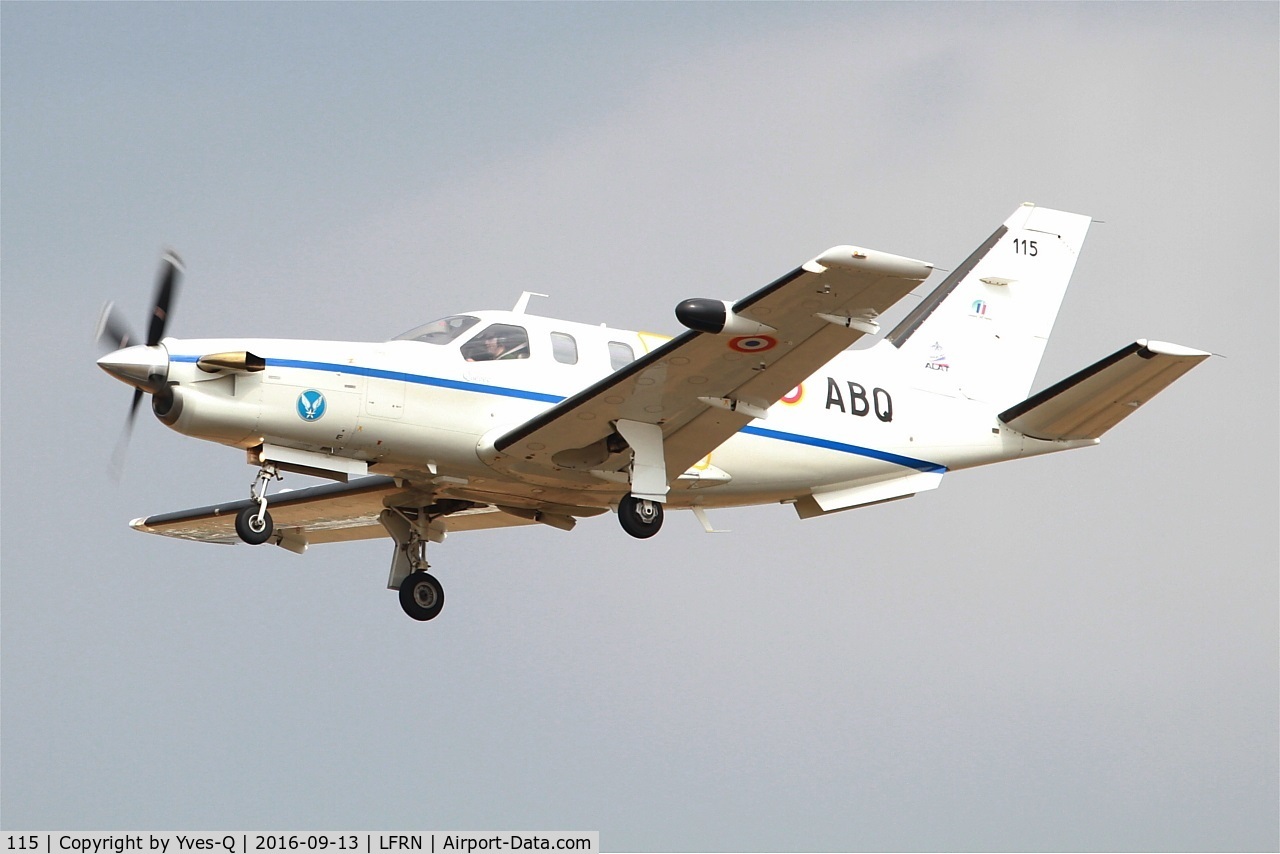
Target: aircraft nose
141	366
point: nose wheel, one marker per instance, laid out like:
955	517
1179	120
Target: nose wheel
253	525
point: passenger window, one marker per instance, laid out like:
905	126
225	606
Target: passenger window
564	348
620	354
497	342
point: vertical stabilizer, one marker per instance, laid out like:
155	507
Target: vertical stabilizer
981	333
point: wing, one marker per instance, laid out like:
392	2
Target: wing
703	386
322	514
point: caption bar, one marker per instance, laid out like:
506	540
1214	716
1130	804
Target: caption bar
241	842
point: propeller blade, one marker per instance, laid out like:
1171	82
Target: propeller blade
122	444
166	289
113	333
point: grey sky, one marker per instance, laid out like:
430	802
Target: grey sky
1076	652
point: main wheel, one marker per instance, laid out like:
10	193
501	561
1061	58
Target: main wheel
640	517
252	530
421	596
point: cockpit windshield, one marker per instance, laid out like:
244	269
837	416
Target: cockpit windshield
440	331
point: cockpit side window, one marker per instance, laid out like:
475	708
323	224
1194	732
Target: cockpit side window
499	341
440	331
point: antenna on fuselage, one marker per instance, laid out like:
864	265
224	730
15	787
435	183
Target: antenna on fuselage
523	302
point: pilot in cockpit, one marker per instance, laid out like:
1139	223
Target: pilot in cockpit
498	342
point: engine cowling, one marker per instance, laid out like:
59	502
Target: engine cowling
198	413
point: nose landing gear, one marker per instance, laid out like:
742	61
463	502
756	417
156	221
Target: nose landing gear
253	523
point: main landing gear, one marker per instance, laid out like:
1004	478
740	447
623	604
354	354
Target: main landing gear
640	511
253	523
640	517
421	594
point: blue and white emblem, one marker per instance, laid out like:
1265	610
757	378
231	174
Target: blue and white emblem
311	405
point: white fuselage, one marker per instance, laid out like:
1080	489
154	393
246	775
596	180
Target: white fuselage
417	409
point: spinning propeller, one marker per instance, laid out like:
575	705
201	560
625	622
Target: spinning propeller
143	366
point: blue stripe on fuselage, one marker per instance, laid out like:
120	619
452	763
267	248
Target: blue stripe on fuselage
376	373
521	394
457	385
815	442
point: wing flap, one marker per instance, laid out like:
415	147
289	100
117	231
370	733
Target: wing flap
1092	401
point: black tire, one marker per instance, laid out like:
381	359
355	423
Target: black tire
248	529
421	596
640	517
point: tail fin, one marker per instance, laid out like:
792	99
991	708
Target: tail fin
981	333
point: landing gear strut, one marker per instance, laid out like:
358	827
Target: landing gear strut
640	517
640	511
421	595
253	523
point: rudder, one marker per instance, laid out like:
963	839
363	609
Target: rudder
982	332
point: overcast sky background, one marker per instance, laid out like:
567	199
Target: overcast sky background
1074	652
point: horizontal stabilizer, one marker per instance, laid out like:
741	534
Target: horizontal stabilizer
1092	401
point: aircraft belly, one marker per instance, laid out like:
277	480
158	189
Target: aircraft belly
404	442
